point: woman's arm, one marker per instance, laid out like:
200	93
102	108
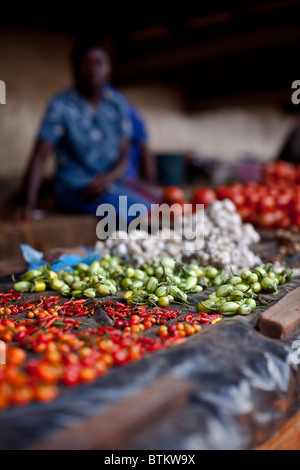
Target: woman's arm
147	164
27	198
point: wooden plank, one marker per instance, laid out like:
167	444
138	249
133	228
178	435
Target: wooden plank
61	230
122	422
287	438
244	42
13	264
282	318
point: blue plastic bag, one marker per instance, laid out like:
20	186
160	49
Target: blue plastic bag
35	258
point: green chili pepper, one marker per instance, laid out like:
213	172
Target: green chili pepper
253	278
135	299
159	271
141	292
136	284
82	267
30	275
94	268
65	290
196	290
126	283
242	287
56	284
244	309
228	307
163	301
168	263
68	278
139	275
268	284
261	272
104	290
251	303
256	287
162	291
245	275
190	282
176	280
89	293
211	272
151	284
206	306
129	272
234	280
76	293
236	295
79	285
150	271
22	286
224	291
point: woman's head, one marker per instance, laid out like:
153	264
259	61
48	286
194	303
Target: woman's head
91	63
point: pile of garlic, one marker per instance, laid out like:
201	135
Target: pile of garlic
224	241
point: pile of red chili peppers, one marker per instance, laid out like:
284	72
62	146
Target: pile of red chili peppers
49	347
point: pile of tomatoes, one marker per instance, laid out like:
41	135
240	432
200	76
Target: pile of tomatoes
272	203
266	206
280	172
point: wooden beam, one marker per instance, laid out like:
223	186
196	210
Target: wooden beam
272	6
282	318
184	55
287	438
208	20
146	34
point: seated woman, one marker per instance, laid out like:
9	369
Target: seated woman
90	129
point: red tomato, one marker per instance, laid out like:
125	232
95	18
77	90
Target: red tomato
296	218
267	203
237	187
245	213
284	199
22	395
238	199
223	192
284	222
173	194
71	375
273	191
267	219
252	195
295	205
204	196
15	356
298	174
120	357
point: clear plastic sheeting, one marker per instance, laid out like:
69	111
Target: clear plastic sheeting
243	387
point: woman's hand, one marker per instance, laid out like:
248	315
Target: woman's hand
98	186
101	183
16	210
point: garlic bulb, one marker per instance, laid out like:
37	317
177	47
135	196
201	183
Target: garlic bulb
225	241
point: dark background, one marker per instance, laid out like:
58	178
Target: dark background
217	52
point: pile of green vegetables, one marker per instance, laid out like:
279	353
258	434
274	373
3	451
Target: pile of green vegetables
111	274
160	283
242	294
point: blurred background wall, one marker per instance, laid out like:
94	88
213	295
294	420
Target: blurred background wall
35	65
